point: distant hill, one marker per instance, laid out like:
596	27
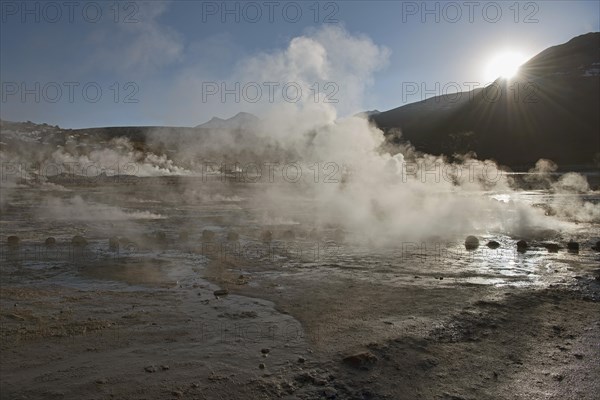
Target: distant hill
550	110
238	121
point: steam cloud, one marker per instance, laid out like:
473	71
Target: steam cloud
379	193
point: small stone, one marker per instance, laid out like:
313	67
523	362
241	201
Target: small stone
208	236
150	368
164	367
522	246
573	247
492	244
12	241
265	351
329	392
360	360
471	243
262	366
221	292
552	247
16	317
101	381
558	377
79	241
578	356
319	381
301	360
266	236
177	393
233	236
113	244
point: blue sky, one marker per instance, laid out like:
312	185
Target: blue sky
155	61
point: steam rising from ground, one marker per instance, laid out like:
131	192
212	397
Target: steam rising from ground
376	192
77	209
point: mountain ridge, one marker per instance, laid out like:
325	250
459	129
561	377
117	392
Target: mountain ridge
550	110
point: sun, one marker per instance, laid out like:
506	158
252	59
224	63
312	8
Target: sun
504	65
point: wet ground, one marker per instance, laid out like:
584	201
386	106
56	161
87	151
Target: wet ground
423	319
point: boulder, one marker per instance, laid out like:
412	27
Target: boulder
50	242
522	246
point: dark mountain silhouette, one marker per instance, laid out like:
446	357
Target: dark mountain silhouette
550	110
238	121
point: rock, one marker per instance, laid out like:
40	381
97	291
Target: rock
184	236
522	246
301	360
165	367
160	239
12	241
305	377
102	381
208	236
288	235
266	236
338	235
79	241
221	293
329	392
265	351
552	247
16	317
113	243
233	236
314	234
492	244
360	360
150	368
573	247
262	366
319	381
597	247
558	377
177	393
50	242
471	243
